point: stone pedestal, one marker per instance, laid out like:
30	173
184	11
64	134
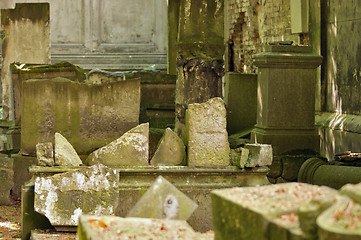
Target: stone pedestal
286	98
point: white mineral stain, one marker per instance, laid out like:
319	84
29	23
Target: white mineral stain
76	214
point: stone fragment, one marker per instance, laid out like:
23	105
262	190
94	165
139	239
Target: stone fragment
353	191
131	149
65	154
171	150
239	157
62	198
254	212
45	154
92	227
163	201
259	155
207	137
6	180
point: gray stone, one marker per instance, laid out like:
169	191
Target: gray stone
45	154
259	155
131	149
163	201
207	138
62	198
65	154
171	150
239	157
92	227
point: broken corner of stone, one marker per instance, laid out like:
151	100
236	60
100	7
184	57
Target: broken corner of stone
131	149
259	155
206	134
65	154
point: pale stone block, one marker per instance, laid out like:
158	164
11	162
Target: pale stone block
62	198
259	155
131	149
171	150
65	154
163	201
45	154
207	137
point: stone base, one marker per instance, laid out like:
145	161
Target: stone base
287	140
196	183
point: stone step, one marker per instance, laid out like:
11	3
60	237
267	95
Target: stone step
114	61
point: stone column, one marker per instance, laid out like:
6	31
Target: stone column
27	40
286	98
200	55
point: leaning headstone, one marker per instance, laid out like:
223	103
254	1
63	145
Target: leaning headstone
163	201
65	154
131	149
62	198
171	150
111	227
45	154
259	155
6	179
207	137
239	157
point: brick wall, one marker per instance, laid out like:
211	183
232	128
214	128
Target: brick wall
252	23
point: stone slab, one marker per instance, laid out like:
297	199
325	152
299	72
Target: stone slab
163	201
171	150
65	154
207	138
45	154
131	149
62	198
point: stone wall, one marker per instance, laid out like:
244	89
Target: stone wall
249	24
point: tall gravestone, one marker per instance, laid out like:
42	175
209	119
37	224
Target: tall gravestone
27	40
200	53
286	98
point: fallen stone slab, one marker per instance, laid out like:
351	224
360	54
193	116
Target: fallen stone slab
239	157
62	198
163	201
45	154
171	150
131	149
272	211
207	138
259	155
65	154
115	228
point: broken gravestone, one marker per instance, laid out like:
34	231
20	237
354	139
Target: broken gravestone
113	228
207	137
6	179
62	198
259	155
131	149
239	157
171	150
163	201
45	154
65	154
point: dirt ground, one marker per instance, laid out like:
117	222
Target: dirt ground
10	219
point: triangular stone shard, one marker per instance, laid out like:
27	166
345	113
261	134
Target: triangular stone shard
65	154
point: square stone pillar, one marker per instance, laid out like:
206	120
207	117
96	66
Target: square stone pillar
286	98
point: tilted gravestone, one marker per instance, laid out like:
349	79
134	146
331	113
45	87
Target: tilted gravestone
65	154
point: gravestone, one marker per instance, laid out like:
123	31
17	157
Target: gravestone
163	201
65	154
62	198
207	138
131	149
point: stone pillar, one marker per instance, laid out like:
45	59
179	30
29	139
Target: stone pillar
286	98
27	40
200	55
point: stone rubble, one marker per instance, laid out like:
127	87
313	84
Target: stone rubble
65	154
45	154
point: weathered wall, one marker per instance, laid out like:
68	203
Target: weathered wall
251	24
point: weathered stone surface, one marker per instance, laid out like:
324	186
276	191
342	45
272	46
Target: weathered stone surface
92	227
45	154
239	139
131	149
163	201
6	162
275	169
91	116
291	167
239	157
62	198
98	76
6	180
255	212
21	172
171	150
259	155
207	138
65	154
353	191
